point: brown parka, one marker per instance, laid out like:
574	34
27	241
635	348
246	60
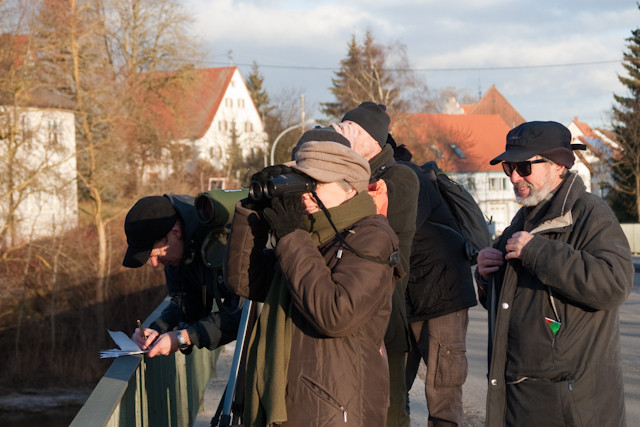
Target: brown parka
341	304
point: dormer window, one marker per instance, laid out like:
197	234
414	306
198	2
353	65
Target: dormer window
458	151
435	150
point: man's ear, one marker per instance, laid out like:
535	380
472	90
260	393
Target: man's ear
559	168
176	230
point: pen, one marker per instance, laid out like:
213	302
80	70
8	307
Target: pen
144	337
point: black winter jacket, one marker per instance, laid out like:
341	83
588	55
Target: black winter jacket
403	187
440	278
576	270
188	282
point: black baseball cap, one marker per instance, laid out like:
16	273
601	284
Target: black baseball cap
539	138
148	221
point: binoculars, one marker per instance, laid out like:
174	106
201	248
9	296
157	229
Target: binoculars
280	185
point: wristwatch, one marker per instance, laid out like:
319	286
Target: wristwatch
182	343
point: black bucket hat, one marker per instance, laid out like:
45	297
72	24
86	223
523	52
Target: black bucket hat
539	138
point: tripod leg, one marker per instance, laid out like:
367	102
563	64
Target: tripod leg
227	397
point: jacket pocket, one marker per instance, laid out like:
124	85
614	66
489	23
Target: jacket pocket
542	403
324	395
451	366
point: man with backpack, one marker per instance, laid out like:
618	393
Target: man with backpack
438	296
166	230
367	128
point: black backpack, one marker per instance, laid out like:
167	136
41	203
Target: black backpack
471	221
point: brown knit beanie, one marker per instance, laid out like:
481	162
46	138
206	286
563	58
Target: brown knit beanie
327	161
319	133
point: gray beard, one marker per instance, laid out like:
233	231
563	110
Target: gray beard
535	196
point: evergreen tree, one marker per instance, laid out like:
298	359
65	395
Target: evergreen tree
366	75
624	197
259	95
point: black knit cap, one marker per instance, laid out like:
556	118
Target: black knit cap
373	118
547	139
148	221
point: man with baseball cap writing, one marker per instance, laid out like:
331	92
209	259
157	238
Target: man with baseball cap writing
553	283
166	230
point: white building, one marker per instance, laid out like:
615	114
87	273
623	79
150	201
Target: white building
38	169
593	164
206	115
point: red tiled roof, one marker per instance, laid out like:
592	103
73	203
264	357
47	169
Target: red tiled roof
493	102
587	134
479	137
15	52
186	110
467	108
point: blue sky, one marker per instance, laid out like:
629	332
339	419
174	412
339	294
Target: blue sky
553	60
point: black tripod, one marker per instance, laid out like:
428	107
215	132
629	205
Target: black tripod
231	406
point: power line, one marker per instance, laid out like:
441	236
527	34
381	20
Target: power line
448	69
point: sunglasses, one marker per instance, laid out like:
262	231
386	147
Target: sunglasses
523	168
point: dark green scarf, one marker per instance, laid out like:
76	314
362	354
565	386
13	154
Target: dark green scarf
270	344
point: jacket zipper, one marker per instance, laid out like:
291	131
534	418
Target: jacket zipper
323	394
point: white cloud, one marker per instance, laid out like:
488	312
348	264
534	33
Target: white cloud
455	34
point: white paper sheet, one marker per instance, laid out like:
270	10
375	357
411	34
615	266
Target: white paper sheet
125	344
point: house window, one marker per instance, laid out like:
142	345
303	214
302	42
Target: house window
457	150
27	132
228	102
240	103
248	127
4	126
437	152
54	131
494	184
498	184
222	125
471	184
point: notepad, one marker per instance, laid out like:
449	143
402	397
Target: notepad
126	346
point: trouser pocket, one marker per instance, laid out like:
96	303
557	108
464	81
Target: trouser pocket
452	365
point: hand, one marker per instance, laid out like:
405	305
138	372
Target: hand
144	344
284	215
516	243
489	261
165	345
271	171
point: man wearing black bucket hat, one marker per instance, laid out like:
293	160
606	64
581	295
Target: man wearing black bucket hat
553	284
166	230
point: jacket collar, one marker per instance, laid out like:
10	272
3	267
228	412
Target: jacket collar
191	228
558	215
381	162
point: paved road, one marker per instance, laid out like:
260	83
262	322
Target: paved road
475	388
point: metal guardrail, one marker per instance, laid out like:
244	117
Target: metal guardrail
632	231
143	392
